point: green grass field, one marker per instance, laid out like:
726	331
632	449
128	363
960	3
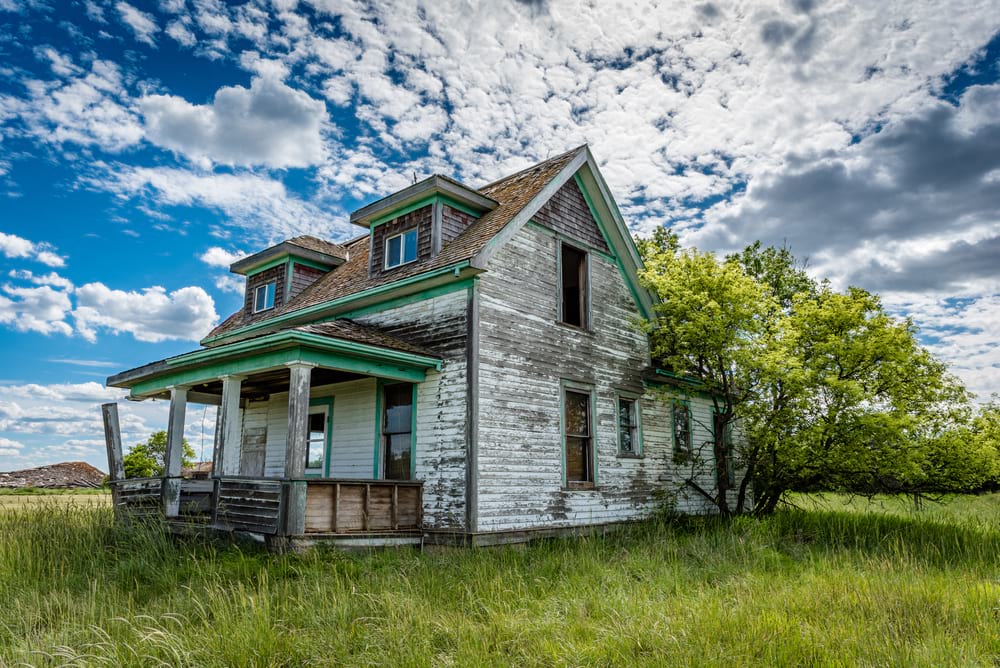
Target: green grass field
841	583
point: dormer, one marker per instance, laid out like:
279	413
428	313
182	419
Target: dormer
413	224
276	274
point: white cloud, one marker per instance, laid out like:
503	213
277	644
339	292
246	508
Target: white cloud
261	206
40	309
52	278
268	124
143	25
151	315
92	109
13	246
220	257
229	283
180	33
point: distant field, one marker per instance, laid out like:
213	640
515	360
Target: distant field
11	499
843	583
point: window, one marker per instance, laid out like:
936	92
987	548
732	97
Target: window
573	284
401	248
397	431
681	416
578	439
316	441
263	297
629	441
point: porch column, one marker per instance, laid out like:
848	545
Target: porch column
229	434
300	376
171	490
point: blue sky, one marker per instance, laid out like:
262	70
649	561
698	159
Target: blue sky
146	145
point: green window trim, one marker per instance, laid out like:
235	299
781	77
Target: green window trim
379	444
588	389
636	401
326	402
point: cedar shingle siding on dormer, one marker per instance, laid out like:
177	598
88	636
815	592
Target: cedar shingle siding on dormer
303	277
453	222
567	212
421	219
276	274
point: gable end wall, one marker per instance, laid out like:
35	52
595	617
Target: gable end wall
567	213
524	354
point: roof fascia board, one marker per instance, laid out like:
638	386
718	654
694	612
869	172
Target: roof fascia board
418	191
279	253
374	295
276	359
528	212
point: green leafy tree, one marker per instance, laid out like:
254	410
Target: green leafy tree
831	391
145	459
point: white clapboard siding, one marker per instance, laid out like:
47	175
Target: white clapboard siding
440	325
524	355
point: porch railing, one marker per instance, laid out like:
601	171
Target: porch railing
352	506
258	505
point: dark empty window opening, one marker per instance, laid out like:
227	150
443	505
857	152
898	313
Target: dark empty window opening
397	431
574	286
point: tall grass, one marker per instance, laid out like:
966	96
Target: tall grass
816	587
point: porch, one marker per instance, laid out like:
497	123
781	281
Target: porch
286	465
336	510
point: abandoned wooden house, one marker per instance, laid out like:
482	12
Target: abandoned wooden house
467	372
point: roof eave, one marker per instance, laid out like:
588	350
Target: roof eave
248	264
430	186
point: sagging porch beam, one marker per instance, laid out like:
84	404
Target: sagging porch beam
268	361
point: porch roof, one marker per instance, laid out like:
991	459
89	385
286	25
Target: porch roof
340	345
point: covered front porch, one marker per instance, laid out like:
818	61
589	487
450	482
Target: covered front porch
314	440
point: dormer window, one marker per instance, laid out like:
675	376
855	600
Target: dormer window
263	297
401	249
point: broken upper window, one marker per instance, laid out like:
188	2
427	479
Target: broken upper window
401	249
573	263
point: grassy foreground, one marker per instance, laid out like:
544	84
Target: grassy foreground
805	587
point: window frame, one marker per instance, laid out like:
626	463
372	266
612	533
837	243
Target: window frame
322	405
588	390
585	306
380	421
270	289
681	454
636	401
402	248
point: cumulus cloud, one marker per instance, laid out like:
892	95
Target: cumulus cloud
267	124
152	315
13	246
39	309
220	257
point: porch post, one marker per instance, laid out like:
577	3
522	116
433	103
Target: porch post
171	489
300	375
113	441
226	458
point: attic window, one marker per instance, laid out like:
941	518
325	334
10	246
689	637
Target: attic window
263	297
573	263
401	249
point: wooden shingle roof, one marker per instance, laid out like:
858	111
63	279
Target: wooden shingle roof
512	193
